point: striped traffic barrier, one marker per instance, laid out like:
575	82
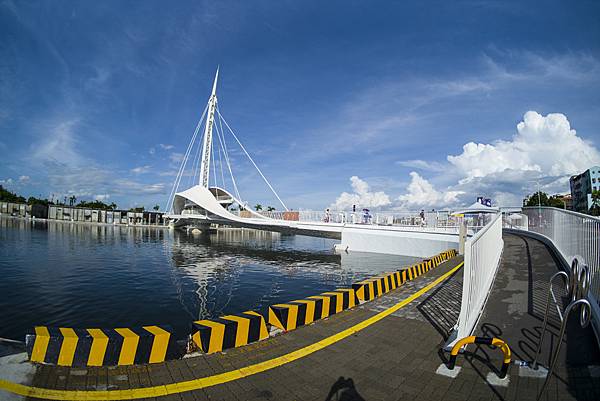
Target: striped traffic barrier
229	331
494	341
374	287
371	288
290	315
101	347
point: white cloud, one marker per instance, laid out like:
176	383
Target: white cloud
141	169
176	157
166	147
544	150
421	193
101	197
152	151
361	197
546	145
59	143
7	181
422	165
24	178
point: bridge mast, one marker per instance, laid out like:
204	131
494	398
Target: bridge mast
207	142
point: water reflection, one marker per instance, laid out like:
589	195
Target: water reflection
81	275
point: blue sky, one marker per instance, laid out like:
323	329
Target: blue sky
100	99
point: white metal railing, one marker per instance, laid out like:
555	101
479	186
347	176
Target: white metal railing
575	235
440	220
517	221
482	256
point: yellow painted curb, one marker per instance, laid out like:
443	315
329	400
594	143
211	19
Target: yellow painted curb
202	382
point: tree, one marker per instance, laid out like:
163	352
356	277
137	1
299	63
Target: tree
270	208
537	199
138	209
258	207
156	207
97	205
595	209
7	196
556	201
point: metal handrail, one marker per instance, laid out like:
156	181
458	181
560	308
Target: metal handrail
550	294
577	285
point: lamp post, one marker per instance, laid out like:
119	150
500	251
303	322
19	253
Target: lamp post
539	204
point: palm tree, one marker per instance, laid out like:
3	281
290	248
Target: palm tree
270	208
258	207
156	207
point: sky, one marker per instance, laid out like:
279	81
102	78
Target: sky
389	105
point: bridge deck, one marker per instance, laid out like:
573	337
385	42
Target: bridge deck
393	359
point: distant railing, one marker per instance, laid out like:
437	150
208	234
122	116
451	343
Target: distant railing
574	235
517	221
482	256
440	220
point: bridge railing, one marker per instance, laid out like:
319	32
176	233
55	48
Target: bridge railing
441	220
517	221
482	257
575	235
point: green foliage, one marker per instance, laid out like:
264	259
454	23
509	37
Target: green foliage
7	196
37	201
270	208
542	199
258	207
156	207
139	209
595	209
97	205
536	199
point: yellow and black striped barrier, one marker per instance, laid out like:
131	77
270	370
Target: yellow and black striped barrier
101	347
291	315
496	342
229	331
372	288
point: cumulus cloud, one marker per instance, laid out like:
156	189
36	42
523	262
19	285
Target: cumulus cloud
544	150
421	193
7	181
546	145
101	197
24	178
165	146
361	196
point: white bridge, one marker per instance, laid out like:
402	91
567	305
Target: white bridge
202	204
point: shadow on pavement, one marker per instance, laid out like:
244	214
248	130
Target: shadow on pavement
344	390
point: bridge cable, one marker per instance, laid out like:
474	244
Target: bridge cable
221	167
249	157
221	137
212	148
169	205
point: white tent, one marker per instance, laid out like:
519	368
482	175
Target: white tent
477	208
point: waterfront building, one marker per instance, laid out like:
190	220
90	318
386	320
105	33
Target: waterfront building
582	186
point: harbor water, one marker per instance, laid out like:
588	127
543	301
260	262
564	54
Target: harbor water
83	275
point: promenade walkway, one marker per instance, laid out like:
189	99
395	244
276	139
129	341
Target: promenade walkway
361	354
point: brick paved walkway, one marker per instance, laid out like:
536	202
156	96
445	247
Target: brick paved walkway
393	359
